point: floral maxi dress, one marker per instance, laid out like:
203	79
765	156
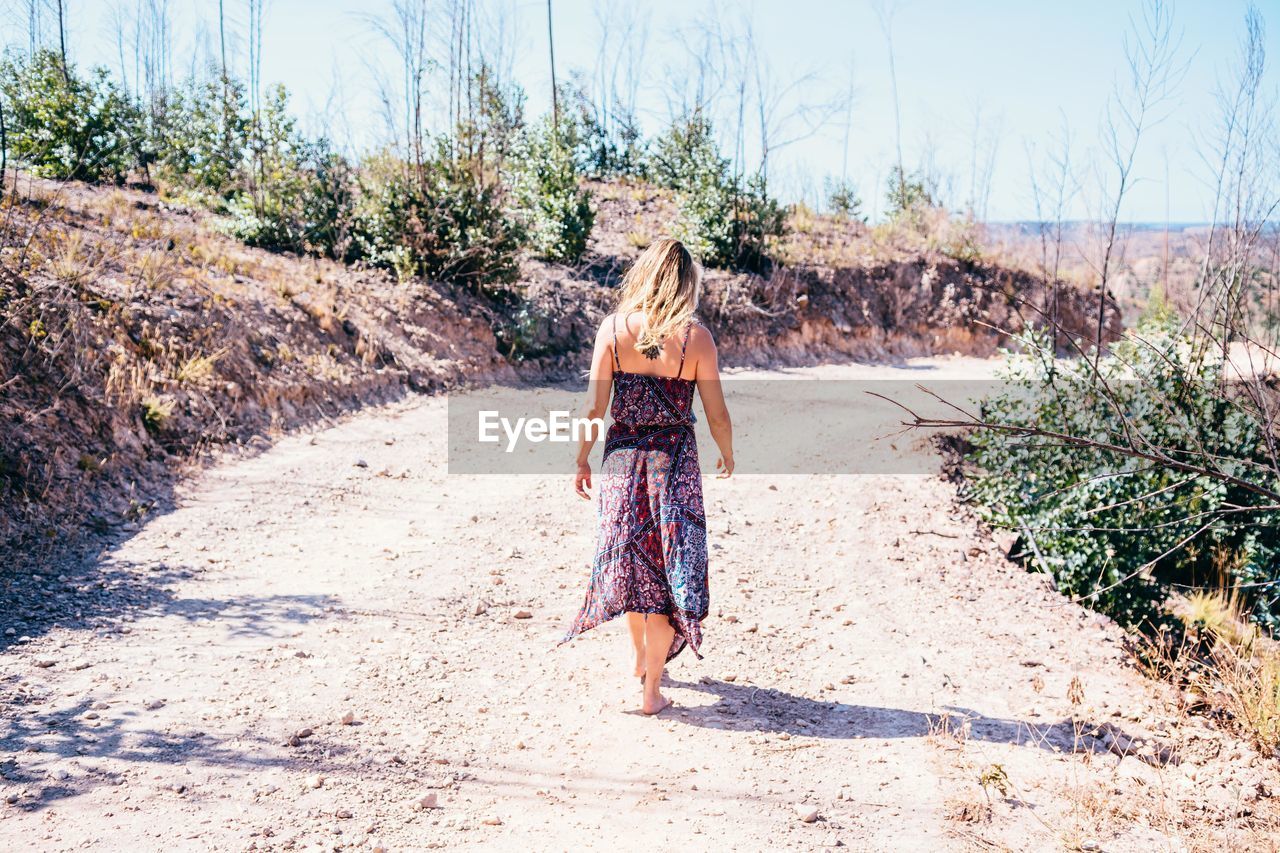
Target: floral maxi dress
651	555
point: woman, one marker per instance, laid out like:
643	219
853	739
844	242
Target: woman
651	556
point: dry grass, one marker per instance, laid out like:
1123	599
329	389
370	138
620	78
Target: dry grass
197	370
1230	663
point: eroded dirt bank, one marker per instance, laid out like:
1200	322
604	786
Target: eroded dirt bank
871	657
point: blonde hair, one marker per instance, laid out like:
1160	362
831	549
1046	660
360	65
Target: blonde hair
663	283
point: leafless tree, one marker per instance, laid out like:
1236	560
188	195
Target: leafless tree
885	11
984	147
1154	66
551	49
62	37
1054	187
1245	192
407	28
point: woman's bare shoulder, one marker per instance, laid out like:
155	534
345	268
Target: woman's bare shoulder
700	338
605	331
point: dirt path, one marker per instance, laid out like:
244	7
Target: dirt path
870	655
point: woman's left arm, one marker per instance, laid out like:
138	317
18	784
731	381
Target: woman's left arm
599	386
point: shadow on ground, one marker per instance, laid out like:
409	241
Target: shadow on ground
748	708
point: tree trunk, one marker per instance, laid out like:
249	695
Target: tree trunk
555	95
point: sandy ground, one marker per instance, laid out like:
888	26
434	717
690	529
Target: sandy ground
326	646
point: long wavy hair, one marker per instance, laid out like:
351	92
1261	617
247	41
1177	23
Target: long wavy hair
663	283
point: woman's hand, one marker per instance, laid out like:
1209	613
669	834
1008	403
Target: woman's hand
725	466
582	480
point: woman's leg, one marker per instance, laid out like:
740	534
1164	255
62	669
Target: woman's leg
635	622
657	640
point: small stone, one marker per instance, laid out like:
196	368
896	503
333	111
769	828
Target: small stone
492	820
348	718
342	814
428	801
45	663
154	705
806	812
79	665
360	463
315	782
303	734
729	676
12	797
480	609
524	614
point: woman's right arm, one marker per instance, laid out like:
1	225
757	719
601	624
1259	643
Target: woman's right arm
599	386
707	375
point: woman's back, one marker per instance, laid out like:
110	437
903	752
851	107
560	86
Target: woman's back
629	327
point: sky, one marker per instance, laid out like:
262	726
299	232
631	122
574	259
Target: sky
986	89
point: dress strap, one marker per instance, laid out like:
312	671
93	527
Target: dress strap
617	365
684	346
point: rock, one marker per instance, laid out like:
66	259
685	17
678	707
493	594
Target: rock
492	820
348	718
45	663
303	734
729	676
12	797
480	609
342	814
316	781
524	614
154	705
79	665
360	463
806	812
428	801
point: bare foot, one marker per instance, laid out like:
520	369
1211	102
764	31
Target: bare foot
654	704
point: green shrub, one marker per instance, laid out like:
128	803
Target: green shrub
65	127
909	197
843	200
723	223
201	138
443	221
608	146
1117	529
489	136
547	194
